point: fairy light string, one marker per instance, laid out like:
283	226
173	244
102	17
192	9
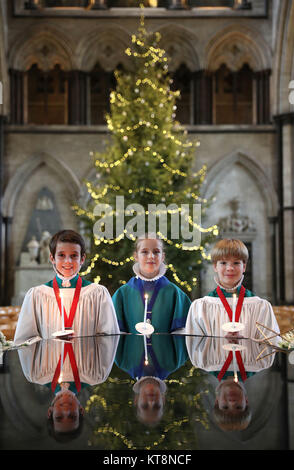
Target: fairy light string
173	144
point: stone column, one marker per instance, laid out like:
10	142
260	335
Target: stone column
77	98
262	79
202	97
1	215
285	140
288	208
8	268
274	261
16	97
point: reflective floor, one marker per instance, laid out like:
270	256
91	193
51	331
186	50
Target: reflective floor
131	392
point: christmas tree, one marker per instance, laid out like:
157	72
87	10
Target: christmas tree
147	161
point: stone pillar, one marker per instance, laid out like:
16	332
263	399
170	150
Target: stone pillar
274	258
288	208
262	80
77	98
8	268
1	215
16	97
202	97
285	140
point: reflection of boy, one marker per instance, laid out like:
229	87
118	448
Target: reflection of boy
233	364
149	399
231	410
66	368
163	355
65	414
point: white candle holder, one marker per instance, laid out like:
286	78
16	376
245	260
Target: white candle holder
233	327
144	328
234	347
65	332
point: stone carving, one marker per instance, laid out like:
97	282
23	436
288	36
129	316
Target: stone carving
236	222
38	252
33	247
44	248
44	203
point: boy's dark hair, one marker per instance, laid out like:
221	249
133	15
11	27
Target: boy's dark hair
66	436
67	236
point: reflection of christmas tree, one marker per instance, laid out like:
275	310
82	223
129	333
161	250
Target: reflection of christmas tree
111	411
148	160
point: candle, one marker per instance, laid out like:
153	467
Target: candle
145	311
234	308
61	363
145	349
235	367
62	311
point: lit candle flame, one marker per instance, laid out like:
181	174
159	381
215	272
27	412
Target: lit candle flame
145	310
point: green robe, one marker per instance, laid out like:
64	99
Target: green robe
166	354
168	305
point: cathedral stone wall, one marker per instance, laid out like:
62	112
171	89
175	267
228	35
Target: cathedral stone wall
242	160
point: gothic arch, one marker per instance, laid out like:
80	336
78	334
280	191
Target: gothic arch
179	44
256	173
106	46
46	46
237	47
23	173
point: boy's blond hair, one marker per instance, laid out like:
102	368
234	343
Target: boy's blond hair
229	248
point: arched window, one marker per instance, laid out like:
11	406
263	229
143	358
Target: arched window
233	96
182	81
47	96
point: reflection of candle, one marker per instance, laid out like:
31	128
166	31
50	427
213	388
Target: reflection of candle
61	363
234	308
145	311
235	367
62	311
145	349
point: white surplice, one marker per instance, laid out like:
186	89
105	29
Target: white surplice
94	358
40	317
207	315
210	354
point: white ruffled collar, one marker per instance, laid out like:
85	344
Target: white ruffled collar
162	385
239	283
162	271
